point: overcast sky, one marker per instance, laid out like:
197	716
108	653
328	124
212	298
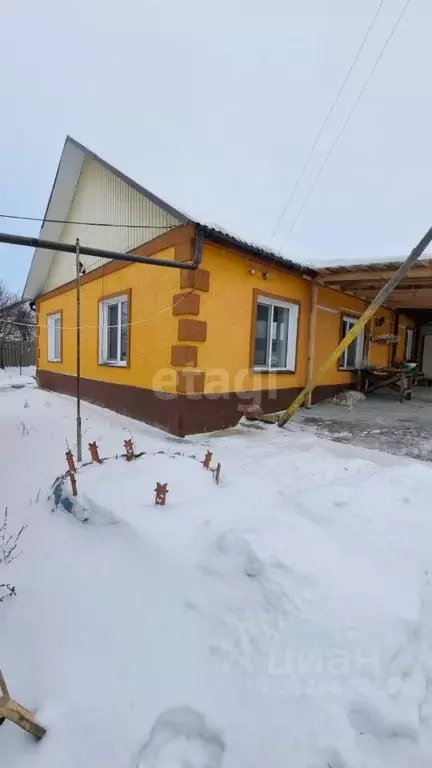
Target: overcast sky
214	105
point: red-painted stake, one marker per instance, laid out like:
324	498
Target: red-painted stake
207	460
73	484
129	450
94	453
70	461
161	491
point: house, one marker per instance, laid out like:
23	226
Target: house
182	349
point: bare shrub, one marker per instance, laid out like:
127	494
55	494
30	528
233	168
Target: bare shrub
8	552
6	590
9	541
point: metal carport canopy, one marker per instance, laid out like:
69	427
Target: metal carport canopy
366	280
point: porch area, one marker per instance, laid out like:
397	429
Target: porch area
380	423
409	341
396	416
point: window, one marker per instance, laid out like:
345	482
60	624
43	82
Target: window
275	334
54	337
113	330
409	344
352	356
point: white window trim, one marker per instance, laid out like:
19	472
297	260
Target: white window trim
359	346
51	357
291	356
103	336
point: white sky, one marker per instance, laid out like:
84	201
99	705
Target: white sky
214	105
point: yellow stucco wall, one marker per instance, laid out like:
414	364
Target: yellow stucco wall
332	305
227	308
381	354
153	326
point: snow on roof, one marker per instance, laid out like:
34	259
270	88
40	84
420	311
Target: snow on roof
257	250
370	261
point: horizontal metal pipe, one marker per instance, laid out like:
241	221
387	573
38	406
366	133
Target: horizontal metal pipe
35	242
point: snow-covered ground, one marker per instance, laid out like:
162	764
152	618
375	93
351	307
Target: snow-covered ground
12	378
280	618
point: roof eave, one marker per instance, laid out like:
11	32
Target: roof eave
223	238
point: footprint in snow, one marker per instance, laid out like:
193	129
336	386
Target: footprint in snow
181	738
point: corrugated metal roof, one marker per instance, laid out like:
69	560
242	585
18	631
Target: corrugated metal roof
223	237
62	193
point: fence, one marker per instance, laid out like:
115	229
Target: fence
17	354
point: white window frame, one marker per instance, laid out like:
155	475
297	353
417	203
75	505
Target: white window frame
103	331
291	351
359	346
52	328
409	344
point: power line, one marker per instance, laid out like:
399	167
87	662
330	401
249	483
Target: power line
169	307
348	118
326	119
88	223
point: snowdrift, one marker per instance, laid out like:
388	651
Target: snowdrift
280	618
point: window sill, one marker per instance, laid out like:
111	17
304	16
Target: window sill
272	370
54	361
347	370
107	364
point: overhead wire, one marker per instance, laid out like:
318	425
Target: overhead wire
325	121
143	321
88	223
322	167
130	324
93	224
348	118
83	327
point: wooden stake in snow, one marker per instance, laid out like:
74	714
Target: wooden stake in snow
129	450
161	491
17	714
73	484
216	473
94	453
207	459
70	461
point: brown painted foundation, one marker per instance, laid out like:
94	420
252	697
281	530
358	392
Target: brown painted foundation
177	413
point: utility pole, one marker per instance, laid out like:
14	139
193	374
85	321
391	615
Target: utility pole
360	324
78	350
312	334
52	245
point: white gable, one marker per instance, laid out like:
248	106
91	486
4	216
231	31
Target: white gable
101	196
88	189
